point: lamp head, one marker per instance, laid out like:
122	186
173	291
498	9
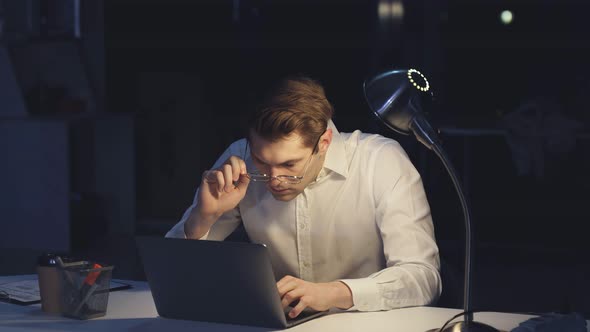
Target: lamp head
397	97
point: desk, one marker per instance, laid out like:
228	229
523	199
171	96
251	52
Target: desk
134	310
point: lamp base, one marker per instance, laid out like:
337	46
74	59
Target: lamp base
471	327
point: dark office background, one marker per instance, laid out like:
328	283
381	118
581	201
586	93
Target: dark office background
110	136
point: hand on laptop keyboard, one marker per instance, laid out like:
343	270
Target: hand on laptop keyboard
301	294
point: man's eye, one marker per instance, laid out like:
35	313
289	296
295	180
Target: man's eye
289	165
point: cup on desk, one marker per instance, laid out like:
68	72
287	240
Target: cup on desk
49	283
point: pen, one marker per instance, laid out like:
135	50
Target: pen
61	265
87	295
88	287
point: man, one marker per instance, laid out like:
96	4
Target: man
344	215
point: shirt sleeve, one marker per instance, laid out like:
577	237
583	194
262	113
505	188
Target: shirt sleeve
411	276
229	221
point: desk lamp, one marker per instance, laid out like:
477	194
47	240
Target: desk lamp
397	97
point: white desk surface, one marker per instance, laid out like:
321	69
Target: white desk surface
134	310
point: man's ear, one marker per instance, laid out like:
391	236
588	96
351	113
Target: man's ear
325	141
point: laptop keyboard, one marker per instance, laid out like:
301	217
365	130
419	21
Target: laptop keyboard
304	314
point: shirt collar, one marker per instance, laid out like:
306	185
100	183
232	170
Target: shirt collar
336	154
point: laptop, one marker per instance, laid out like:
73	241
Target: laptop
214	281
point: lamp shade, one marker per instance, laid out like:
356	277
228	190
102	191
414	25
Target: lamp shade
397	98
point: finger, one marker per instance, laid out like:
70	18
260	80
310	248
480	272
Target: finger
220	181
284	280
209	177
243	169
284	286
292	298
298	308
243	182
287	288
213	177
228	177
236	168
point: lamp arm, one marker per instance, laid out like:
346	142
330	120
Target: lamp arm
423	131
427	136
438	150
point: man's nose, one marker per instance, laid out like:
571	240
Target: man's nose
274	172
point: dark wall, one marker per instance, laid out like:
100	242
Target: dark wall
230	60
190	70
531	79
492	67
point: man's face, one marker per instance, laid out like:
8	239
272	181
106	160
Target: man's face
287	156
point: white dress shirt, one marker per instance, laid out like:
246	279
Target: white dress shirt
364	221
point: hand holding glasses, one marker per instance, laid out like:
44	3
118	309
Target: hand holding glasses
223	188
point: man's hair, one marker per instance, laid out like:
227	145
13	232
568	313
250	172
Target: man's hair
296	104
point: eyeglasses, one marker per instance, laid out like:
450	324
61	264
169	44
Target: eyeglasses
290	179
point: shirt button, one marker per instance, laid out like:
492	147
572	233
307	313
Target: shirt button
302	225
306	265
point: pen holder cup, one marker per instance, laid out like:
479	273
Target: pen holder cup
85	289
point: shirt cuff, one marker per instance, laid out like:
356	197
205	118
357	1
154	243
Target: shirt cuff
365	294
178	232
